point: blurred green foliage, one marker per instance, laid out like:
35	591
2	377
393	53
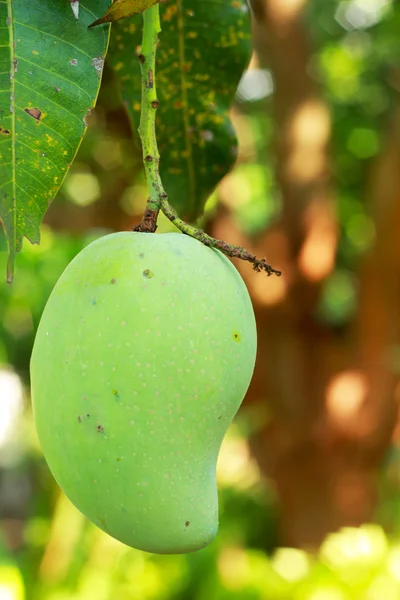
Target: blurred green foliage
48	551
51	552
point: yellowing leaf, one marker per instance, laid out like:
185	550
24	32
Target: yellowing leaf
124	8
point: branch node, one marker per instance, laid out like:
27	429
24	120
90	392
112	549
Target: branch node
150	79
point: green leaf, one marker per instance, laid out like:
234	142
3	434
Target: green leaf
124	8
50	70
204	48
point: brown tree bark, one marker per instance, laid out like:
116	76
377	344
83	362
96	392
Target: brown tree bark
330	395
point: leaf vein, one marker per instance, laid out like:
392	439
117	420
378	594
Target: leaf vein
48	159
52	73
33	177
46	33
50	129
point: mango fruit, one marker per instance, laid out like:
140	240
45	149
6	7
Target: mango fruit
143	355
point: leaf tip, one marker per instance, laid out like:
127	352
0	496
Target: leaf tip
98	22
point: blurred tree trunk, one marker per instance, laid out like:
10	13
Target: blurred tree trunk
330	393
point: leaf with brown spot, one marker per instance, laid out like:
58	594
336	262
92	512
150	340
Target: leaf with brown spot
34	112
124	8
49	77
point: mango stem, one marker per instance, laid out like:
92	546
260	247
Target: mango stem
147	126
158	198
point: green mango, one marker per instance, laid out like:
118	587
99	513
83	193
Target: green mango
143	355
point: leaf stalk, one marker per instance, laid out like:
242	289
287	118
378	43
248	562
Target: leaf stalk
147	126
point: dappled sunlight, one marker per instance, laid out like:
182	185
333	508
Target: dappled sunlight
271	294
249	573
82	187
62	540
236	189
248	193
133	199
255	85
361	14
108	153
274	248
285	11
234	568
394	562
144	579
11	583
309	131
11	404
317	255
365	545
236	466
291	564
345	397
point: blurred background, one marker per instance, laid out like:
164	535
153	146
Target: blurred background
309	474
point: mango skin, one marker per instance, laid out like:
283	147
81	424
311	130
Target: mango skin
143	355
